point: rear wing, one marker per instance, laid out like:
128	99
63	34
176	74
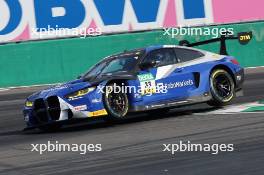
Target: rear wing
243	38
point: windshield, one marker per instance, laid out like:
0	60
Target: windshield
95	70
120	63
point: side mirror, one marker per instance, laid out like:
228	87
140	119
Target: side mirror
148	65
79	77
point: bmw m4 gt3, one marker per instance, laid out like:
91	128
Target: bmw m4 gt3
152	78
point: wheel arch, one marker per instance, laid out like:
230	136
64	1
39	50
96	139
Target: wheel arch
119	82
226	68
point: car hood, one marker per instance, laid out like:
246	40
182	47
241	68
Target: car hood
124	75
61	89
64	89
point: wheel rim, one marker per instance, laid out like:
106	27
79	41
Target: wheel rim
117	103
223	86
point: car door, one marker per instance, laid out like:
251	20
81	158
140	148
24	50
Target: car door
165	81
189	70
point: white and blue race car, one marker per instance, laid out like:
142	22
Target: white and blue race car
154	78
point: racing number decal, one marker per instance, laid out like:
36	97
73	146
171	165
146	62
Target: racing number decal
147	84
148	87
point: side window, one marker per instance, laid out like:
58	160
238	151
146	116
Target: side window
162	57
114	65
185	55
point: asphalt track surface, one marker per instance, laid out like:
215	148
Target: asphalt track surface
135	146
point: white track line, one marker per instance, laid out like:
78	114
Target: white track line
254	67
235	109
4	89
19	87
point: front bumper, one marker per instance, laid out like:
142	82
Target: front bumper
54	109
239	77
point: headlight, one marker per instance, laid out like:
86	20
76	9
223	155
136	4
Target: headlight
80	93
29	104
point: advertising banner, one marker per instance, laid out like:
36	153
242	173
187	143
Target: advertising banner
43	19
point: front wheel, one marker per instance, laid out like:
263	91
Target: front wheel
222	88
115	101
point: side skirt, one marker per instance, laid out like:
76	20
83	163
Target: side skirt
189	101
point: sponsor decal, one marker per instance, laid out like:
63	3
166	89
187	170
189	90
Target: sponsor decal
179	84
80	108
147	84
98	113
74	98
55	88
148	87
25	19
96	100
146	77
28	19
244	37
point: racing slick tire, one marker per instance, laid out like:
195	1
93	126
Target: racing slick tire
222	88
116	102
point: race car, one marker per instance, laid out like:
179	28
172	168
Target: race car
155	78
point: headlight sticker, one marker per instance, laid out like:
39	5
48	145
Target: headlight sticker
79	94
29	104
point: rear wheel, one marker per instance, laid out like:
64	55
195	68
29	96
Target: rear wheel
116	102
222	88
